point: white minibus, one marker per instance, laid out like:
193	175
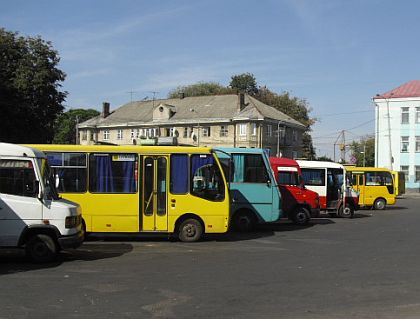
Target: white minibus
32	216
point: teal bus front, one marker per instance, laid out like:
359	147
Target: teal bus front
253	187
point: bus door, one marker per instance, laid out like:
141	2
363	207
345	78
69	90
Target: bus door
155	193
358	184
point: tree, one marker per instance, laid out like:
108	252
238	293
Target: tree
244	82
30	100
65	127
297	109
364	151
324	158
200	89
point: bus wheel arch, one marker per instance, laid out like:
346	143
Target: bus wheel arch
300	215
189	228
379	204
244	220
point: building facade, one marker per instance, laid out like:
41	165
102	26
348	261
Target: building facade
213	121
397	131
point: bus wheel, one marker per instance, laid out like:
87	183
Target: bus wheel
190	230
243	221
346	212
379	204
41	248
300	216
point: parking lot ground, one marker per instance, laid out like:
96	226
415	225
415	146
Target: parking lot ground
366	267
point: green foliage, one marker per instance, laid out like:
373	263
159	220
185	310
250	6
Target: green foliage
200	89
30	99
244	82
65	128
364	151
324	158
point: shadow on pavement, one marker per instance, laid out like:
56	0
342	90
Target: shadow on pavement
14	260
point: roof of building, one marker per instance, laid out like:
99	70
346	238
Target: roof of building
409	89
192	110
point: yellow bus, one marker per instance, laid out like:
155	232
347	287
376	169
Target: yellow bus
132	189
375	186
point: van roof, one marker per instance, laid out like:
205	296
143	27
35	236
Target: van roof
319	164
7	149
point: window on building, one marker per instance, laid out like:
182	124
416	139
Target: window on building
186	129
151	132
224	131
404	144
254	129
206	131
170	132
417	115
242	129
294	135
405	115
84	135
282	132
417	169
417	143
269	130
405	170
119	134
106	135
139	132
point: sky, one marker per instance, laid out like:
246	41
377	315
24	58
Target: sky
335	54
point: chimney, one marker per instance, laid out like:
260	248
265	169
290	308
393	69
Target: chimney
105	109
181	95
241	97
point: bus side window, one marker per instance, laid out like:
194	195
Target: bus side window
206	179
113	173
179	174
70	170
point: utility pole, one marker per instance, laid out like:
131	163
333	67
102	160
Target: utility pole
77	129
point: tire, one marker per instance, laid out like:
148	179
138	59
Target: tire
347	212
190	230
244	221
300	216
379	204
41	248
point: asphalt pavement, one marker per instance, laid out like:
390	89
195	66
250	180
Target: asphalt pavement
366	267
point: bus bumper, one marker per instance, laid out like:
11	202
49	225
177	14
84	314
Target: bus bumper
72	241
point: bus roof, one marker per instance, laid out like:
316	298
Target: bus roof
121	148
367	169
283	161
240	150
7	149
319	164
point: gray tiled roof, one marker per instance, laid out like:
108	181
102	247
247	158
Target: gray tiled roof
191	110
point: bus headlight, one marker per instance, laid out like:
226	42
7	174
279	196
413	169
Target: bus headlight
73	221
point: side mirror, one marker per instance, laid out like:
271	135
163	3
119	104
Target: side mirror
268	182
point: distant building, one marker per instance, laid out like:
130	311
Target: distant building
220	120
397	131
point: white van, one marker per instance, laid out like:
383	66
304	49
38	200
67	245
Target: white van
32	215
